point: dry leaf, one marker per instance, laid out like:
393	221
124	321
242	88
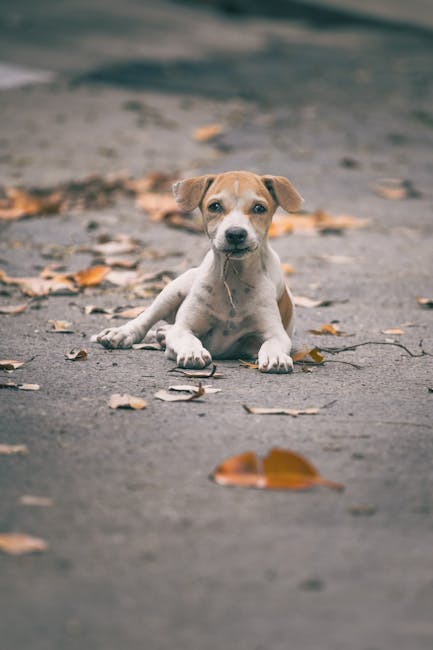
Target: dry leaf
123	278
208	132
393	330
166	396
20	203
158	206
281	469
318	221
337	259
248	364
313	353
13	310
126	401
329	330
76	355
37	286
189	388
127	313
91	277
303	301
39	502
396	189
10	364
198	374
94	309
280	411
287	269
120	263
120	245
425	302
19	544
12	450
14	386
61	326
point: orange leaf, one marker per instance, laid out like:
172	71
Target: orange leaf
13	310
393	330
91	277
313	221
327	329
306	352
18	544
208	132
281	469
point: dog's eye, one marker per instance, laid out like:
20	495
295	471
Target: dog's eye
258	208
215	207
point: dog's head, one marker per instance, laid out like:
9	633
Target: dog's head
237	207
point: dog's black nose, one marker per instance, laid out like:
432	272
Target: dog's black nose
236	236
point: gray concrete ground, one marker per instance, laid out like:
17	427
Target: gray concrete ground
144	551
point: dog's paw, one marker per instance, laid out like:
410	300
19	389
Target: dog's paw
193	358
275	362
117	337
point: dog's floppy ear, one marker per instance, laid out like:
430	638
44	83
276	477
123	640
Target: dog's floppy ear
283	192
190	192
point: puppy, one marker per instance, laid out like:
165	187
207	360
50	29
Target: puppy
236	303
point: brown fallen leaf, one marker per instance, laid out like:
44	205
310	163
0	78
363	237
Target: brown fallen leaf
327	329
120	245
13	310
280	411
152	182
309	303
287	269
126	401
91	276
119	263
60	327
123	278
12	450
94	309
20	203
425	302
393	330
313	353
198	374
189	388
207	132
248	364
10	364
20	544
396	189
281	469
39	502
318	221
133	312
166	396
37	286
77	354
14	386
158	206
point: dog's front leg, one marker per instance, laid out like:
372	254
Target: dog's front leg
164	304
274	354
185	348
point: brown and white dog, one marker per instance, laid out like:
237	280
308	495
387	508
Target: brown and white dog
236	303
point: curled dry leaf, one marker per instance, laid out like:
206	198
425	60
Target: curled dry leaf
328	330
13	450
207	132
10	364
120	245
309	303
393	330
77	354
39	502
189	388
318	221
127	313
91	277
37	286
14	386
280	411
60	327
281	469
13	310
425	302
396	189
158	206
313	353
125	401
20	544
166	396
20	203
198	374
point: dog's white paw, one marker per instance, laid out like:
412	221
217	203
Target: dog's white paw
117	337
274	361
196	358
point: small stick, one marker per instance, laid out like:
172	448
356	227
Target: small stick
358	345
229	293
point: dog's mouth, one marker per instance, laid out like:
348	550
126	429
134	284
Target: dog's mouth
238	251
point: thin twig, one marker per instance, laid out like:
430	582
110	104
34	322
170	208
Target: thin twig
358	345
305	362
229	293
